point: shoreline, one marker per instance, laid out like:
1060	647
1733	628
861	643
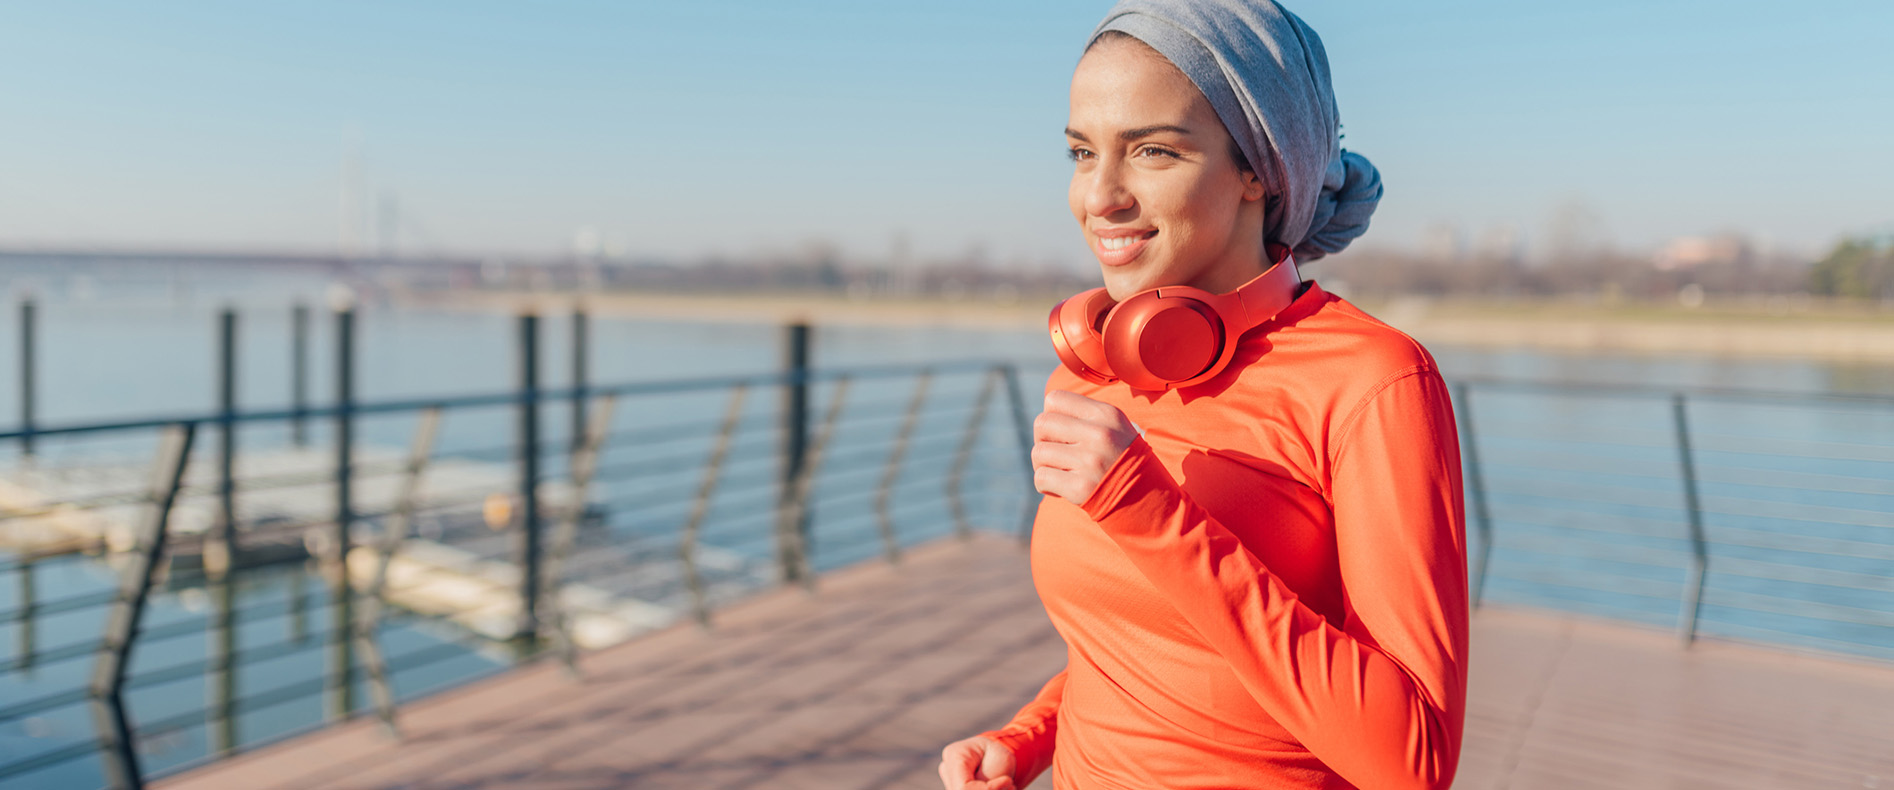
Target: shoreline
1724	331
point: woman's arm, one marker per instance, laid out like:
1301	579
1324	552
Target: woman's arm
1031	733
1381	698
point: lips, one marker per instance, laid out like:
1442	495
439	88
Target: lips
1117	247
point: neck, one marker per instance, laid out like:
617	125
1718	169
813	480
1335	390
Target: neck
1235	270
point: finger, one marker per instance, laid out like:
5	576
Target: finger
1065	485
997	763
1068	457
1051	426
1067	429
1077	405
1050	481
1068	402
956	764
1088	410
1083	460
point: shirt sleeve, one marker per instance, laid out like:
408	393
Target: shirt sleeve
1031	733
1381	698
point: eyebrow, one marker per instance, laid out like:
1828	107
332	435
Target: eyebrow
1139	133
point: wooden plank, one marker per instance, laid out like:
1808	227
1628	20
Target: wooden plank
860	684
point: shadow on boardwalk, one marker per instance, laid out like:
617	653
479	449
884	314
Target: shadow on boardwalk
858	687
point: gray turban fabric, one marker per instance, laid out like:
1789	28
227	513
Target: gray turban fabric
1265	73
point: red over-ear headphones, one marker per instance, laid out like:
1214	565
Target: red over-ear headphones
1167	337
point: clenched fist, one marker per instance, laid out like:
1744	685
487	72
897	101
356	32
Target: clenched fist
1074	441
976	764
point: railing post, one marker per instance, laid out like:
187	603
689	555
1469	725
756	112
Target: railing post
1476	485
801	565
1022	428
29	314
529	518
107	688
687	547
791	528
1699	550
565	534
955	503
299	374
221	707
884	494
394	529
341	685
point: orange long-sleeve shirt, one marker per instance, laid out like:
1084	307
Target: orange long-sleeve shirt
1267	590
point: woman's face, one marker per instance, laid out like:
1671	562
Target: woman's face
1156	188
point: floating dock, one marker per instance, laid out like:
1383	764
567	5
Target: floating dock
454	566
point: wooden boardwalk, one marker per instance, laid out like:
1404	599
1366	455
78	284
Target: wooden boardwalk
858	687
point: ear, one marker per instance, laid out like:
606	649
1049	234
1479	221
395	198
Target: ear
1253	188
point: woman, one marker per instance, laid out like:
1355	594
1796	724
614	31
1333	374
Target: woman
1260	574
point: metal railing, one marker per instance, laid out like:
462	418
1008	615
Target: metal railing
1740	514
707	497
1758	515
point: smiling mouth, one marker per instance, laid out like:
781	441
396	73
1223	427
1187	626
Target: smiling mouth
1121	242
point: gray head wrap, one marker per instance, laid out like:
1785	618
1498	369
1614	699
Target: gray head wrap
1265	73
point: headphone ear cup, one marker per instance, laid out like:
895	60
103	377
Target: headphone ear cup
1155	342
1074	324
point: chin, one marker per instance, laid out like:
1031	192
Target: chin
1120	287
1121	284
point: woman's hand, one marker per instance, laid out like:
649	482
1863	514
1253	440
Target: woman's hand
976	764
1075	440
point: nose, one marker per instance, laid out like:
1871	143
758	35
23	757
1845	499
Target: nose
1107	193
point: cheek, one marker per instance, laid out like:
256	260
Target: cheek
1173	204
1209	206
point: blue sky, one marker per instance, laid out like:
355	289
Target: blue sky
690	129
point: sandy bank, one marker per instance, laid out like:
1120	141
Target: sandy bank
1027	313
1862	336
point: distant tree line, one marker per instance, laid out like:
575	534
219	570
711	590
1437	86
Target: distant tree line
1857	268
1599	273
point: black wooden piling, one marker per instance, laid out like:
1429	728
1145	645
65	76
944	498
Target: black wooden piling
29	606
220	554
227	435
28	319
792	522
581	331
341	676
299	374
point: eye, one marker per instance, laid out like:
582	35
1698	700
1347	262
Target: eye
1077	154
1158	152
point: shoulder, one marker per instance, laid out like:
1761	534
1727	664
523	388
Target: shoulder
1397	394
1330	353
1375	352
1332	364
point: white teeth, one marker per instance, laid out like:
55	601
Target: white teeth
1117	243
